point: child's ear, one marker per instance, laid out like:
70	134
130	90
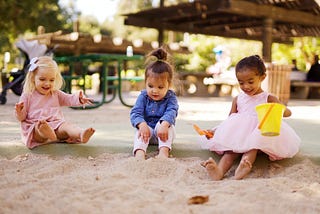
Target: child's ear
263	77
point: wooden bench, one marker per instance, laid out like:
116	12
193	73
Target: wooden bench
202	84
305	90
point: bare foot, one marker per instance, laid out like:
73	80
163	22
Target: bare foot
86	134
45	131
243	169
140	154
163	152
213	170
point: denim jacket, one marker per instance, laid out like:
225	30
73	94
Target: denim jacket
150	111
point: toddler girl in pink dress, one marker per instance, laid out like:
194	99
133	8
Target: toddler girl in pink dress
39	107
239	135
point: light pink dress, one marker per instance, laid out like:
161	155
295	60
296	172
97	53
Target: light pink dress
39	107
239	132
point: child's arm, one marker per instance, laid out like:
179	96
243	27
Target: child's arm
171	111
66	99
137	118
274	99
234	106
168	117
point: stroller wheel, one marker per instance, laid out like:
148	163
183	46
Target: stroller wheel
3	99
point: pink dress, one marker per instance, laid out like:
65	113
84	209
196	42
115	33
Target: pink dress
239	132
43	107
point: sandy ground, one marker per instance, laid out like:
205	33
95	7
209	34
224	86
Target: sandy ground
102	176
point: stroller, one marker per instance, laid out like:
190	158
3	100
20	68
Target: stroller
30	49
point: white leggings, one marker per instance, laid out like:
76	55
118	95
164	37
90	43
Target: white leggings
139	144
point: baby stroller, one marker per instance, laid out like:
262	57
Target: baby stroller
30	49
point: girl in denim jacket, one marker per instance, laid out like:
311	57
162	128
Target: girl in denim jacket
156	108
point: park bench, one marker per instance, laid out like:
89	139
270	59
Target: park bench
305	90
202	84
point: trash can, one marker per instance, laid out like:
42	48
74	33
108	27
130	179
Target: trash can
277	81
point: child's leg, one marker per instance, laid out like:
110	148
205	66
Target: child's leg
86	135
165	147
140	154
163	152
70	131
245	165
43	132
217	171
139	146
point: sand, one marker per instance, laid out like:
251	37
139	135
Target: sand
103	177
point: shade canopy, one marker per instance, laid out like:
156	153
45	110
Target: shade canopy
77	43
263	20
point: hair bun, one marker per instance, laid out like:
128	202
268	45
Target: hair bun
160	53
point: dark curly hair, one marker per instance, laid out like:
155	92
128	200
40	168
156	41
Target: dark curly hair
252	62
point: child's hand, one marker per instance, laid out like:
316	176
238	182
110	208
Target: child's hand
19	108
209	134
162	131
19	111
144	132
84	100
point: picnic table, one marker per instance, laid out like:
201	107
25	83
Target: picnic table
107	82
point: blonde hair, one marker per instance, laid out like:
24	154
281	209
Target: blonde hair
43	62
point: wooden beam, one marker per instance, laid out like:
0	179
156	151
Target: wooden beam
142	22
278	14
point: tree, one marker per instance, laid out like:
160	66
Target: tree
18	17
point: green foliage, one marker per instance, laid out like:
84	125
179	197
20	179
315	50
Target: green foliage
89	24
18	17
202	55
22	17
303	50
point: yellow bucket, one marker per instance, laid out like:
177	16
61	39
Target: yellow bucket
270	117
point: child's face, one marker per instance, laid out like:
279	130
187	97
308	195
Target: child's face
250	81
44	80
157	86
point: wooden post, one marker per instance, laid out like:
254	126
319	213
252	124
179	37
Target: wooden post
267	40
160	30
160	36
76	24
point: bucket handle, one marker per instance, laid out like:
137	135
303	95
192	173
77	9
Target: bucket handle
266	116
